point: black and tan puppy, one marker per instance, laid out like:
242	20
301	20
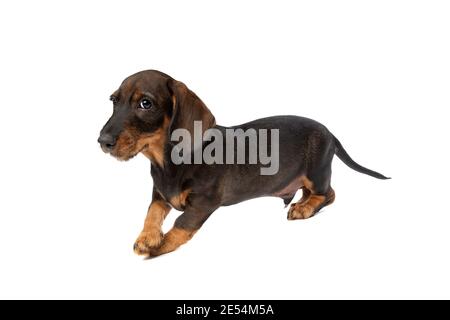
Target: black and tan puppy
150	105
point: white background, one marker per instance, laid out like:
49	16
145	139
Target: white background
377	73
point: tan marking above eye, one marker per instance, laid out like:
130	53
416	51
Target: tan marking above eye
137	96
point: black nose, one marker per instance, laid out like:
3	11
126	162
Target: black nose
106	140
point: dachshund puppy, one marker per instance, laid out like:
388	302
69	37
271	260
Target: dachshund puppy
150	106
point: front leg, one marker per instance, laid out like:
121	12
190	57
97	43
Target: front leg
151	236
184	229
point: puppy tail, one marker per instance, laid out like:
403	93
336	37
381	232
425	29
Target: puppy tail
343	155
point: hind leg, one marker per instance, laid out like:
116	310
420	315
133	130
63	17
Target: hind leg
305	196
305	210
317	193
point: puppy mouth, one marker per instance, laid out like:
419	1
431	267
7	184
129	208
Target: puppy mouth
106	150
127	154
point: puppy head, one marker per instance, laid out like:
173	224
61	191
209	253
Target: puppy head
147	107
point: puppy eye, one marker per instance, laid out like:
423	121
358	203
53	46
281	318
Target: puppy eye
145	104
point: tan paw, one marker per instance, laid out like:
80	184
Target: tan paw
146	241
300	211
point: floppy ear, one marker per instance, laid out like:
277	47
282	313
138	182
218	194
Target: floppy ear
187	108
